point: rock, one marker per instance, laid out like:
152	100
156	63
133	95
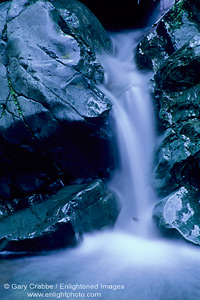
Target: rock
54	122
3	38
180	71
177	159
60	220
82	24
171	51
178	90
172	31
180	212
176	107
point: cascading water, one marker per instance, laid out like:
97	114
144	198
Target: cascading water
132	108
166	4
116	264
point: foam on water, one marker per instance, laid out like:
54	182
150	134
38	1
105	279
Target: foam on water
147	269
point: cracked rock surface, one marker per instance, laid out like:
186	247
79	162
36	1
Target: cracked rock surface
171	51
60	220
54	122
55	135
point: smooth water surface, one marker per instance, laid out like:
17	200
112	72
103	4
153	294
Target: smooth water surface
143	269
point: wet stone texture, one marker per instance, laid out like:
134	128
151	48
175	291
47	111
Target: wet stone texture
54	121
54	125
60	220
180	211
171	51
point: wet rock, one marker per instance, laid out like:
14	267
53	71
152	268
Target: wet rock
177	107
178	90
177	158
3	37
170	33
60	220
171	51
180	212
53	119
180	71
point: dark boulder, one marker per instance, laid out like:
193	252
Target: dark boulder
178	90
54	122
181	70
177	159
60	220
170	33
171	51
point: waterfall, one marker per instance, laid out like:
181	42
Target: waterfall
166	4
117	264
132	108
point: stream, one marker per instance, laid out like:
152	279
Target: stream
130	261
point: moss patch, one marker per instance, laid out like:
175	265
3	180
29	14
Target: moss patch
13	97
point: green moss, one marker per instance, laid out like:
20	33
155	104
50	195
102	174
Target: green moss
176	13
191	16
13	96
2	106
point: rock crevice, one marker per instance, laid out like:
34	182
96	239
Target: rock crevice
172	52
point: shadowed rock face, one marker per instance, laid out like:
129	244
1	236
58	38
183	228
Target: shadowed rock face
60	220
54	126
172	52
54	122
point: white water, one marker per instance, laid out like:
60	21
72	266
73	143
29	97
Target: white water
132	108
155	270
166	4
146	268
